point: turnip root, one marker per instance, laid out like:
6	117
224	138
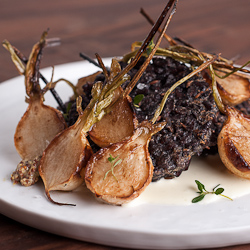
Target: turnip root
39	124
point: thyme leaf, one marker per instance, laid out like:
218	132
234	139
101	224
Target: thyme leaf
203	192
150	47
113	163
138	99
198	198
200	186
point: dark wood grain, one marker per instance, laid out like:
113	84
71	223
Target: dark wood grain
109	27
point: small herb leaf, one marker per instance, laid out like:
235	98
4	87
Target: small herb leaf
138	99
111	159
150	47
200	186
198	198
219	191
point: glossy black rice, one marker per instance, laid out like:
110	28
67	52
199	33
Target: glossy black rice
193	119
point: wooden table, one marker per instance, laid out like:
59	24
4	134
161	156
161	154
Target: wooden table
109	27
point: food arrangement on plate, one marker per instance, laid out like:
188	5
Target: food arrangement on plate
138	121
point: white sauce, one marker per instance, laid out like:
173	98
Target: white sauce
180	191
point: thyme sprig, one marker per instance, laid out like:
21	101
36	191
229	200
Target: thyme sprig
203	192
113	163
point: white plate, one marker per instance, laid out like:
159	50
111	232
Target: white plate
148	226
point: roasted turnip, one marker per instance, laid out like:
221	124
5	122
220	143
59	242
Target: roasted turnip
120	120
234	143
63	163
39	124
120	172
234	89
117	124
233	139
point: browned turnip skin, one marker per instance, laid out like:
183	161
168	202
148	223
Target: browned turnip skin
38	126
131	176
40	123
233	89
63	162
234	143
115	126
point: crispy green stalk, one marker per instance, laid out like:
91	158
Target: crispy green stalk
16	60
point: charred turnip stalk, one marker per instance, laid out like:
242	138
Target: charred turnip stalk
89	59
39	124
82	81
17	55
187	54
233	84
120	121
183	51
168	38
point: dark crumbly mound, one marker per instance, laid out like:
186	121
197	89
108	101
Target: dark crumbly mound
193	119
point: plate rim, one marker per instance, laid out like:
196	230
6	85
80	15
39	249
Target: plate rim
5	205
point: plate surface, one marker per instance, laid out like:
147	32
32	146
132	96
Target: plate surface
146	226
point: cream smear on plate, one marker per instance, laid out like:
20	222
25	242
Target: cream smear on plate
180	191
